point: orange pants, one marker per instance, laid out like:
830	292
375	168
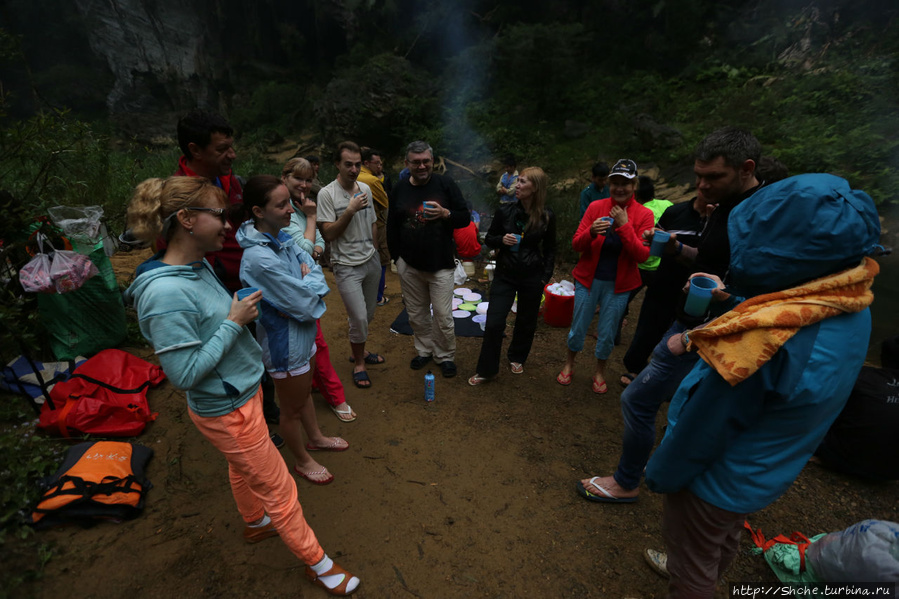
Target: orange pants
260	481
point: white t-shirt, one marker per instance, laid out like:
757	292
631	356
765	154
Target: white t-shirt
355	246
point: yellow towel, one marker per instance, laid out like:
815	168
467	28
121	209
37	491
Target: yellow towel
738	343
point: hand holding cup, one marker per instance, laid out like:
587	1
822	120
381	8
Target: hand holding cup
243	306
432	210
601	226
359	202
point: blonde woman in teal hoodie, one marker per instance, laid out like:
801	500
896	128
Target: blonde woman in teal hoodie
197	329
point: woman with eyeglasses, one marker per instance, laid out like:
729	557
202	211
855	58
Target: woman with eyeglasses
610	240
297	175
198	331
292	288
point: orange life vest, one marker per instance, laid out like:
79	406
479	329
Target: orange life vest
103	480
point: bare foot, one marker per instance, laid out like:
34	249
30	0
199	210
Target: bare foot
610	485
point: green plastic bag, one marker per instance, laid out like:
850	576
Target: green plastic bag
87	320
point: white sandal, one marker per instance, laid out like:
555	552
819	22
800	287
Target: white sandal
345	415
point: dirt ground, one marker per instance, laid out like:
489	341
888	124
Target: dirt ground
469	496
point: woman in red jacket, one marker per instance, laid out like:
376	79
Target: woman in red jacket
610	240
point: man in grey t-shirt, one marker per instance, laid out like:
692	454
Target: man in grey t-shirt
348	221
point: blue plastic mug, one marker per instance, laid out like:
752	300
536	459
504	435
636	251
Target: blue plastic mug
247	291
699	296
659	241
611	222
515	247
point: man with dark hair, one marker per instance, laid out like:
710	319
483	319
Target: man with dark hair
348	221
598	188
372	174
424	210
207	142
770	170
725	176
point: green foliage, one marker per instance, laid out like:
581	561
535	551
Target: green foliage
27	457
273	108
384	103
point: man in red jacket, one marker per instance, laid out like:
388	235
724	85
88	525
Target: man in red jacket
207	141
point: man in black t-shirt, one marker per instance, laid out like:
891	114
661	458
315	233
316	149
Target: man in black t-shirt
685	220
424	210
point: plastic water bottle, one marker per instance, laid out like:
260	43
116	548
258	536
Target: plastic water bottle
429	386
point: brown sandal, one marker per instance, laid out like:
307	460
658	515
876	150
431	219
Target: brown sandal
341	589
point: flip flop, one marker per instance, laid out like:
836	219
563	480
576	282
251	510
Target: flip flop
600	388
626	379
347	415
606	497
361	377
333	446
477	379
516	367
308	475
372	359
564	379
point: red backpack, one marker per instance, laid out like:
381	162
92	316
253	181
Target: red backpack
106	396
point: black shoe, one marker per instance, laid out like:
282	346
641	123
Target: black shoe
448	369
418	362
276	439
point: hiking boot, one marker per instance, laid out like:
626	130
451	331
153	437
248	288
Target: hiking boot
254	534
277	439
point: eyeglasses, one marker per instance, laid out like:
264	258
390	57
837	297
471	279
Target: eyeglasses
219	213
418	163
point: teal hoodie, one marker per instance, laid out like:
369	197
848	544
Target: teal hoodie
740	448
183	313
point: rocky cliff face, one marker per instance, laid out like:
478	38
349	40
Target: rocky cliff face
160	52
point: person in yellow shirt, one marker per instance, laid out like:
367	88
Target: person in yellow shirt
372	173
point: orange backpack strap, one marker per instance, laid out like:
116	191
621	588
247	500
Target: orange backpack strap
63	414
797	538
